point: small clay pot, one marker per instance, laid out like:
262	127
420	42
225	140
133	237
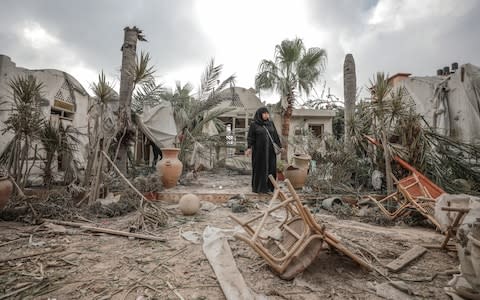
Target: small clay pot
296	176
189	204
6	188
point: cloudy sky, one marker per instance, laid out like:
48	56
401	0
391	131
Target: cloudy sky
84	37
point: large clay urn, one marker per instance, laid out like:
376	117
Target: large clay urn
169	168
297	172
6	188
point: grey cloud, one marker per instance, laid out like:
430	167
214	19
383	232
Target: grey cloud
94	30
420	48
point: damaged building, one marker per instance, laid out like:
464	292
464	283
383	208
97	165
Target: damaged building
63	101
449	102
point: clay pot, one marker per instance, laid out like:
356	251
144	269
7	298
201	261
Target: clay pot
6	188
301	161
297	172
169	168
189	204
296	176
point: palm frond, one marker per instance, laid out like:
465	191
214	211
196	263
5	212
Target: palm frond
267	77
289	52
209	79
149	93
103	89
143	71
25	89
207	117
380	87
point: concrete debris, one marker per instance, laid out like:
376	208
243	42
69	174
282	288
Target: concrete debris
207	206
389	291
191	236
330	203
110	199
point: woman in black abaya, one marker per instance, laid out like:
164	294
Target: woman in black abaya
264	159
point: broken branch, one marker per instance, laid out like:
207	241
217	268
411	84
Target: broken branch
31	255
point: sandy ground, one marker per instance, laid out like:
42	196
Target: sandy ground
85	265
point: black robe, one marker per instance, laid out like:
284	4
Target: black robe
264	159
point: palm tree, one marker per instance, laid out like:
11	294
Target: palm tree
350	91
25	121
293	69
61	141
127	85
193	111
100	134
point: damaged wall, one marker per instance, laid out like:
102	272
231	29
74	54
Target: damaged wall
64	101
450	104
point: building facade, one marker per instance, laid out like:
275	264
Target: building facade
63	101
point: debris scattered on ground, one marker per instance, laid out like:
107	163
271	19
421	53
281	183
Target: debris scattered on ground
90	257
239	203
191	236
219	254
406	258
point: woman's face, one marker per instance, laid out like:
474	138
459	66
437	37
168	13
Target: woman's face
265	116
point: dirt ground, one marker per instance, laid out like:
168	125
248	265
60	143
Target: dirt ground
85	265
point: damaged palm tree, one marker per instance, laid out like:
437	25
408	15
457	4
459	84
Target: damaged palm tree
386	107
146	92
127	85
452	164
350	91
100	134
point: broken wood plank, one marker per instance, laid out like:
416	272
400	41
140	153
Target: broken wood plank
66	223
86	226
123	233
406	258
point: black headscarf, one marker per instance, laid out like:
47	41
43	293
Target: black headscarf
258	116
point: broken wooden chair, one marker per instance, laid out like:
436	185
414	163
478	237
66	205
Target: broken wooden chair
414	193
287	236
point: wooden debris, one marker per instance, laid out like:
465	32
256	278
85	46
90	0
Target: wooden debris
172	288
33	254
123	176
13	293
406	258
106	230
123	233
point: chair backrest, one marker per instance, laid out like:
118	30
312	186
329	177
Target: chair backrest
433	190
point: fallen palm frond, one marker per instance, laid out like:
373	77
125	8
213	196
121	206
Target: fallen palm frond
148	214
450	163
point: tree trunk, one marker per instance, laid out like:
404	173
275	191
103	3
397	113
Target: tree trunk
349	90
127	77
23	181
48	170
286	118
388	164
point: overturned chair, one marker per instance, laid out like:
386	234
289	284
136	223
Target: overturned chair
414	193
287	236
